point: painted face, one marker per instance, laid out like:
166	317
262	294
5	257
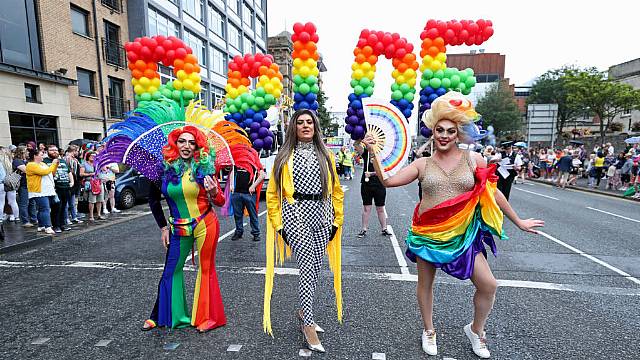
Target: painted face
186	145
304	128
446	135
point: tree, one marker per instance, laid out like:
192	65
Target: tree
551	88
498	108
606	98
326	124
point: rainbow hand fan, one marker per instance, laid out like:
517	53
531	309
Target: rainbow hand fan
389	128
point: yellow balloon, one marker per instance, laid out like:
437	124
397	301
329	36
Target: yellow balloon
357	74
228	88
269	88
297	62
181	74
442	57
435	65
310	63
152	89
409	73
242	89
365	66
233	93
197	88
195	77
305	71
134	81
276	93
275	81
370	74
411	82
400	79
177	84
138	89
355	66
395	73
144	81
187	84
263	79
315	72
423	67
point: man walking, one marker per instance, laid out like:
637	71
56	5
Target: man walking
245	179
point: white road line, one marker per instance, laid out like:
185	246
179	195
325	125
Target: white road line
590	257
535	193
398	252
612	214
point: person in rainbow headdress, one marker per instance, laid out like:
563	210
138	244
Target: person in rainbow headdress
460	212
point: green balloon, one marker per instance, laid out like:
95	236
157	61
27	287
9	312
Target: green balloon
424	83
260	92
408	96
427	74
315	88
397	95
137	98
176	95
435	83
365	82
448	72
188	95
446	83
237	102
358	90
354	83
304	89
463	76
438	74
311	80
244	97
368	90
298	80
166	93
145	97
269	99
233	109
466	91
471	82
169	85
405	88
226	109
156	95
251	100
260	101
295	88
469	71
462	87
455	80
395	87
255	108
244	107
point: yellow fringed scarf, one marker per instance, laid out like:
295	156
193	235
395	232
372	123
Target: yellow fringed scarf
277	250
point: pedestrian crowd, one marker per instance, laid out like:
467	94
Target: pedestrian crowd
41	184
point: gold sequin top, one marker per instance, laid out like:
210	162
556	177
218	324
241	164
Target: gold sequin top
439	186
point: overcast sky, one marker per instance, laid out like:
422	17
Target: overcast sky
534	35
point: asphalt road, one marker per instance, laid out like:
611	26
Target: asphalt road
572	294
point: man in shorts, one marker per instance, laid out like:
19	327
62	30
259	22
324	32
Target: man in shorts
372	191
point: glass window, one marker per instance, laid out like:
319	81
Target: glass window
260	29
233	5
166	74
247	15
194	8
161	25
19	44
216	22
247	45
218	95
204	94
258	4
86	82
38	128
198	46
218	61
31	93
234	36
79	21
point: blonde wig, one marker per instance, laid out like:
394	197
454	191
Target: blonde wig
455	107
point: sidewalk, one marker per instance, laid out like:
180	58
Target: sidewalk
582	185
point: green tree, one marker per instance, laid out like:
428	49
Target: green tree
326	124
498	108
551	88
606	98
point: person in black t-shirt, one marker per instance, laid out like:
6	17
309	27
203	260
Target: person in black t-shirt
243	196
371	190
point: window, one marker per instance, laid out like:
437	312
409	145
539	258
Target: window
216	22
247	45
86	82
19	43
233	5
166	74
204	94
234	36
92	136
161	25
32	93
194	8
258	4
116	103
113	51
218	61
247	15
28	127
115	5
218	95
260	29
79	21
198	46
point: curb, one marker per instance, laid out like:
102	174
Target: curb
48	239
582	189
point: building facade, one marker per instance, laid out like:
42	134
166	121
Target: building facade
216	30
628	73
281	47
487	67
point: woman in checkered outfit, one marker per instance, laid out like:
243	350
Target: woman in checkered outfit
304	205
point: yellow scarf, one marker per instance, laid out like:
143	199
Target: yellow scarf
278	250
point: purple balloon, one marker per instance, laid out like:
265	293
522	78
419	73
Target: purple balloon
425	131
358	131
350	111
265	124
360	113
263	132
348	128
362	123
353	120
267	142
258	144
253	136
255	126
270	134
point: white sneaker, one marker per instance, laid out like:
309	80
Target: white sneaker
479	343
105	211
115	210
429	342
40	228
49	231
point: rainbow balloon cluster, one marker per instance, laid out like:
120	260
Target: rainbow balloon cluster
145	53
249	108
437	79
305	66
372	44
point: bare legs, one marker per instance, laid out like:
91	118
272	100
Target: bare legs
483	298
382	217
366	213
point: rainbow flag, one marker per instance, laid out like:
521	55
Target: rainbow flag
450	234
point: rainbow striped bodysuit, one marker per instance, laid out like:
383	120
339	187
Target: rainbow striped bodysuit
188	202
459	215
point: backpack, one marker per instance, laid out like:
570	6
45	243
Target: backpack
96	186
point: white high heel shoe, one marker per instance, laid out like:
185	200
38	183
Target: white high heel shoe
313	347
318	328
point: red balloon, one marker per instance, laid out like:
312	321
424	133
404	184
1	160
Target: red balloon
304	37
310	28
136	46
449	34
400	53
487	32
189	50
372	40
298	27
479	40
315	37
395	36
378	48
488	22
364	34
167	44
233	66
132	56
423	35
146	53
481	23
294	37
158	53
463	36
389	51
127	46
266	61
470	41
177	44
432	33
431	24
441	26
160	38
362	43
456	26
181	53
237	59
169	56
409	47
245	70
473	28
258	57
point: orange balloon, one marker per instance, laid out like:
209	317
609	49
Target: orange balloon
190	58
395	62
298	45
271	73
153	66
275	67
178	64
279	75
357	51
402	67
245	81
262	70
442	49
372	59
367	50
131	66
295	54
304	55
438	42
414	65
234	82
423	53
360	58
188	68
409	58
141	65
149	73
196	69
311	47
236	74
315	56
426	43
137	74
433	51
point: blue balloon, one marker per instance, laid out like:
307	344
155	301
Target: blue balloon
304	105
406	112
410	106
258	117
403	102
237	117
432	97
424	99
249	113
296	106
297	97
352	97
356	104
228	117
314	106
429	90
311	97
441	91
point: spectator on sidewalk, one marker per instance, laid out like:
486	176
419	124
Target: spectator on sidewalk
108	177
93	186
576	168
6	189
591	170
339	159
26	207
71	157
41	187
564	165
599	166
63	181
625	171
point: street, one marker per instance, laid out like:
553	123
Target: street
569	293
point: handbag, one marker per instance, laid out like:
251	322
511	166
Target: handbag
96	186
12	181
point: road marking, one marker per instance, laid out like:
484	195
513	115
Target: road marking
612	214
304	353
287	271
170	346
378	356
103	343
535	193
592	258
40	341
398	251
234	348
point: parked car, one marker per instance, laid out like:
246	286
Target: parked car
131	187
